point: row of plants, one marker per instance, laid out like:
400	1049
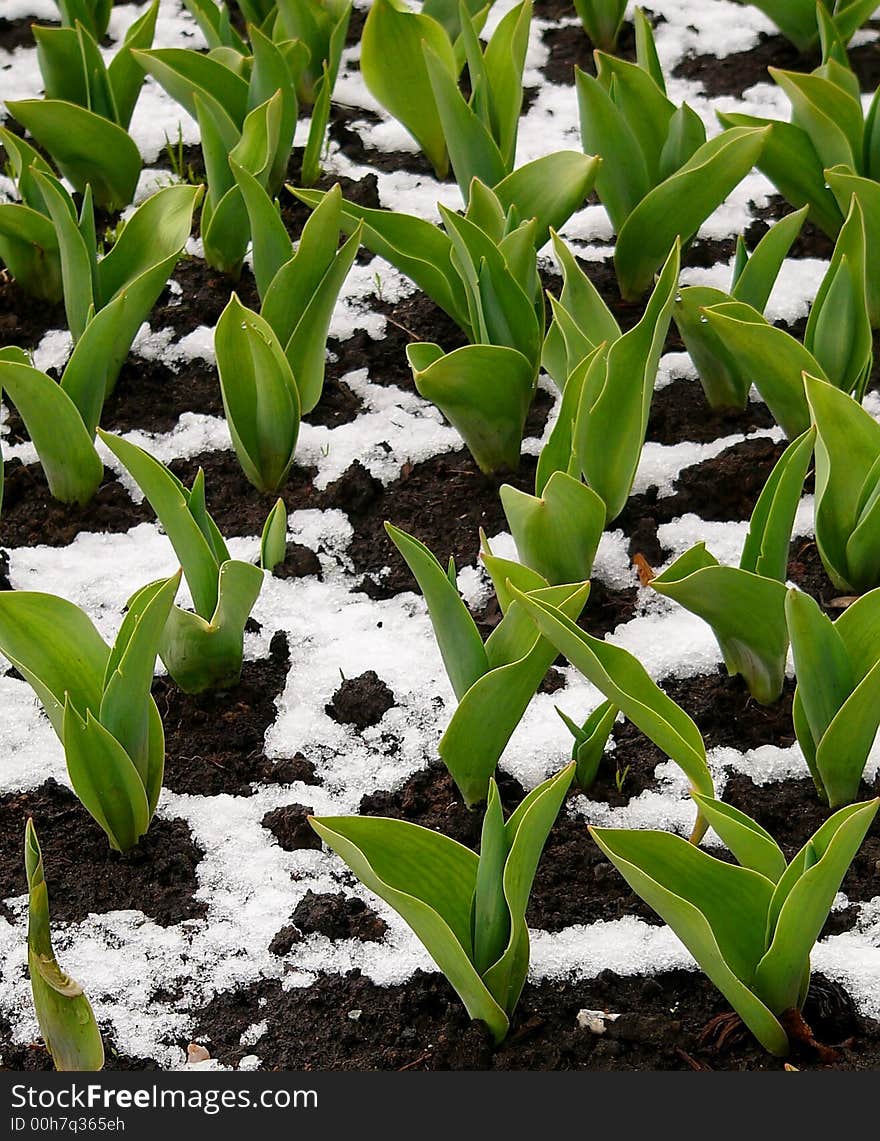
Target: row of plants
749	925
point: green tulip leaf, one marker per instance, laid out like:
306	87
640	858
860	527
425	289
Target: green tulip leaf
792	164
86	148
105	779
260	396
558	534
204	653
64	1014
393	32
492	708
770	358
273	540
716	909
613	413
457	636
485	392
680	205
64	446
624	680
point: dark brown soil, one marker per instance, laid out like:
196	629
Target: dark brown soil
290	827
204	294
360	701
31	517
235	504
17	33
727	715
337	917
85	875
679	412
723	488
214	740
349	1023
144	384
299	562
295	214
443	501
736	73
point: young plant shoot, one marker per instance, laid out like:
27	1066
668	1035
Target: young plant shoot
494	682
847	487
828	153
247	109
557	534
477	134
64	1014
660	178
606	401
750	926
745	605
838	346
110	292
28	242
97	698
310	34
201	650
548	190
722	376
625	682
273	540
837	701
485	389
482	269
602	21
590	740
600	430
94	14
106	300
64	446
83	120
298	288
260	396
468	911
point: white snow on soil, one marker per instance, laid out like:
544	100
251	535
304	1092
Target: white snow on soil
249	884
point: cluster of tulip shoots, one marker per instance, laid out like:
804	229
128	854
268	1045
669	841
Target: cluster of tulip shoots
751	924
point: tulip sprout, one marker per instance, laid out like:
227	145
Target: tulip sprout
97	698
203	650
83	120
745	605
467	910
660	178
494	682
750	926
63	1011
